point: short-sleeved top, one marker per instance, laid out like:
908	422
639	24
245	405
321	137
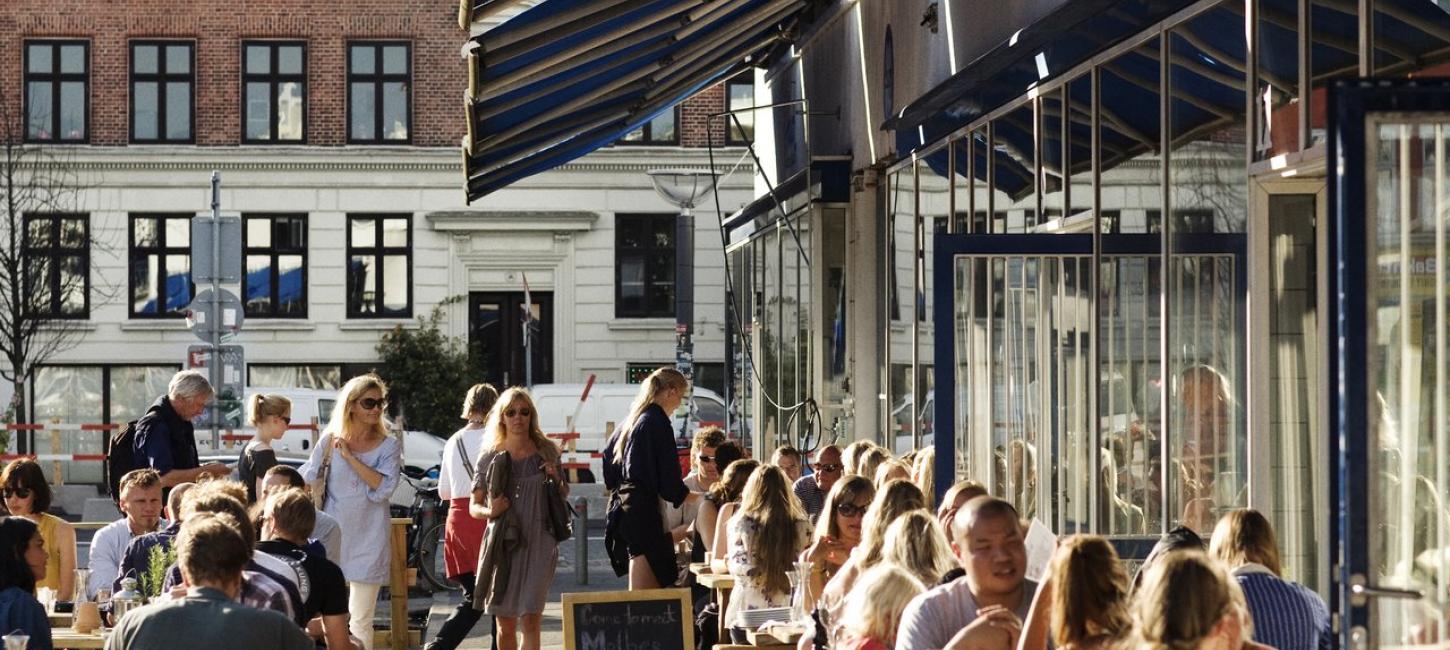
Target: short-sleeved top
931	619
455	475
48	523
1286	615
327	589
362	511
19	610
750	592
252	464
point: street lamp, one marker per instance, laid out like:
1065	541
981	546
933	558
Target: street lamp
684	188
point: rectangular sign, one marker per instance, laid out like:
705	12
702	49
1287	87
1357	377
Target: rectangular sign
204	263
226	409
659	619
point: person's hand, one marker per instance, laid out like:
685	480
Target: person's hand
995	628
216	469
340	445
826	549
552	469
497	506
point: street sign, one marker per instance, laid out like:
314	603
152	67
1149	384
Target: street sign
226	409
202	322
205	268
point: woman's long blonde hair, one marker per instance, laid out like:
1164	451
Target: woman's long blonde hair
341	423
873	608
496	430
893	500
769	502
1089	592
1182	600
1244	536
916	542
851	457
659	381
923	474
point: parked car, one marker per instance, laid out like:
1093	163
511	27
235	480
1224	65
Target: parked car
606	405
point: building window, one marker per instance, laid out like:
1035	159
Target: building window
57	79
57	265
315	376
274	77
162	89
379	266
275	284
160	266
379	76
740	93
644	259
660	130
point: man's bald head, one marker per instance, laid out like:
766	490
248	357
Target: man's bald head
173	502
982	508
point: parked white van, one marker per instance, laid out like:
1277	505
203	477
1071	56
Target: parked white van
606	405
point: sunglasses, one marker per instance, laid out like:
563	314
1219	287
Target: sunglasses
850	510
369	403
827	467
20	492
706	459
517	412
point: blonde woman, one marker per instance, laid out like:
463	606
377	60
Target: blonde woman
892	501
27	494
721	502
892	469
513	429
916	542
851	456
640	468
462	534
872	458
838	531
765	538
270	415
1188	602
1286	615
1083	602
363	464
873	610
923	474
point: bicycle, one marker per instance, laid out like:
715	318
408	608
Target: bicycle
426	532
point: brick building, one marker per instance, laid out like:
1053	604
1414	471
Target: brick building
335	128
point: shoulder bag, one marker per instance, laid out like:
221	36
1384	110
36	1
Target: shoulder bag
560	515
319	486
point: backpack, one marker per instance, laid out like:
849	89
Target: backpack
121	458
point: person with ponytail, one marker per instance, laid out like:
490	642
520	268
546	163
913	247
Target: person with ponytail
640	468
1083	602
270	415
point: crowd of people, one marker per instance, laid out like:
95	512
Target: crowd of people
295	559
879	569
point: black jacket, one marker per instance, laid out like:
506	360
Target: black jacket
164	441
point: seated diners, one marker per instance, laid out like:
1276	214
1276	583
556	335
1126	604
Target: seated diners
1181	538
1188	602
212	550
1083	602
22	563
851	457
957	496
872	458
873	609
813	488
923	473
140	504
719	506
916	543
765	538
983	609
892	469
27	494
892	501
788	459
1286	615
838	534
287	518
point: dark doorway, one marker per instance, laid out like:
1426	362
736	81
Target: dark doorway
496	334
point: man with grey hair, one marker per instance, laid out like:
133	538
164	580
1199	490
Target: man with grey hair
165	437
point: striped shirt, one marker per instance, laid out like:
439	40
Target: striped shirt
1287	616
811	496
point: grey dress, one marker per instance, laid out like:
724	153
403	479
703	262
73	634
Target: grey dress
532	560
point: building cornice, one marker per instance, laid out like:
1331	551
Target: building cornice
511	220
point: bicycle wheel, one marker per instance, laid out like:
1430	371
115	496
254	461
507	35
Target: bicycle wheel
430	560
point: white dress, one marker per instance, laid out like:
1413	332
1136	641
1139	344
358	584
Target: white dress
749	592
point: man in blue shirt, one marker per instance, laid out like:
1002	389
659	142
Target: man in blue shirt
165	437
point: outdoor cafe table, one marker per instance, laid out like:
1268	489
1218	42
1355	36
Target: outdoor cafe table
64	638
721	584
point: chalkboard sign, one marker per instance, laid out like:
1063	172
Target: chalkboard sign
651	619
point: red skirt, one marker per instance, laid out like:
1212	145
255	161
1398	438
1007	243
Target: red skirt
462	537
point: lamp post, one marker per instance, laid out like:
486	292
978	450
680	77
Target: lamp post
684	188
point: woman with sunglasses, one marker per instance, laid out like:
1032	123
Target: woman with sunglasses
641	467
513	429
270	415
839	534
362	466
27	494
22	563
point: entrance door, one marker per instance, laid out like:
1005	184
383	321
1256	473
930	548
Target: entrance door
496	335
1391	405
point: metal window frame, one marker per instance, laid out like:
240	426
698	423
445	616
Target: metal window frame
162	250
646	132
652	256
273	79
378	252
749	80
54	78
377	79
162	78
273	252
55	252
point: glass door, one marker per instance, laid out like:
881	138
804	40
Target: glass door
1392	205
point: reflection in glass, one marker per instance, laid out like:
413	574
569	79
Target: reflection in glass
395	111
1013	169
178	110
259	111
73	394
38	111
73	110
362	108
145	110
1333	53
1277	96
289	111
1052	174
1079	145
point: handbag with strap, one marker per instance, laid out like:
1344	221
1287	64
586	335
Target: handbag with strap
560	515
319	486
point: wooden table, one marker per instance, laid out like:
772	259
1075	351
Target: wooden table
721	584
59	619
67	638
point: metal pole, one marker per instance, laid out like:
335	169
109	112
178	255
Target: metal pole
581	541
685	304
216	311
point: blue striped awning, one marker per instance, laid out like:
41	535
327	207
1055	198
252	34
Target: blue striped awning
567	77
